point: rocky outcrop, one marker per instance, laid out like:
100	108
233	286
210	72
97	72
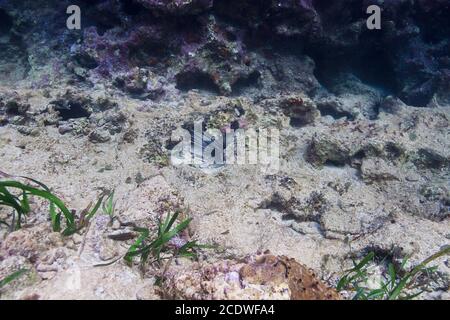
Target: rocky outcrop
259	277
177	7
222	46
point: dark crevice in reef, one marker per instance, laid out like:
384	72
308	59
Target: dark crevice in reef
297	122
14	65
408	57
130	7
372	67
143	56
384	256
99	14
6	22
430	159
393	151
433	27
235	12
335	163
73	111
276	204
420	94
335	13
376	111
327	110
325	71
196	80
285	217
242	84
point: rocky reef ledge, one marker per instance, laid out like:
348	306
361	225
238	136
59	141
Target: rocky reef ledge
364	162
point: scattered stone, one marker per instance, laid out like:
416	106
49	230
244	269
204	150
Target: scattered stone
99	136
376	169
300	109
130	135
107	251
122	235
64	128
77	238
324	149
28	131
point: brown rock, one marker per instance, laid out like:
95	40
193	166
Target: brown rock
303	283
259	277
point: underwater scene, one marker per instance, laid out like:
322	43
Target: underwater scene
225	150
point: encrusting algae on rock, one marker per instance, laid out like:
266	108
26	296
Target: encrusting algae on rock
258	277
